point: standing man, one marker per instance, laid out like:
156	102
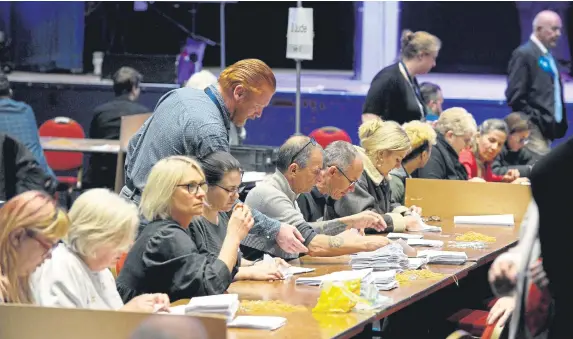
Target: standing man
433	98
196	123
534	84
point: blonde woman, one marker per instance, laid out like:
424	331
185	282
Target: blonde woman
31	225
103	226
164	258
422	138
455	129
384	146
394	93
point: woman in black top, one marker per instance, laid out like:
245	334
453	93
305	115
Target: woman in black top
394	93
223	175
455	131
514	154
163	258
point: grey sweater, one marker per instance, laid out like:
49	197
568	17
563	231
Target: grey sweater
274	198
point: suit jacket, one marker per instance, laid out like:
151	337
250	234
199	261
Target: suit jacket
530	90
550	176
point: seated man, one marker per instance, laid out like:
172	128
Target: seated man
18	120
106	124
19	170
299	165
344	167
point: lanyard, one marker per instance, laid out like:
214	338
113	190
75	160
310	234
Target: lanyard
416	89
216	102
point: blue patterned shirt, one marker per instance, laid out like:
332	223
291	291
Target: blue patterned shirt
185	122
17	119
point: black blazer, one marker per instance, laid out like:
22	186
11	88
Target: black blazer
530	90
444	163
391	97
551	175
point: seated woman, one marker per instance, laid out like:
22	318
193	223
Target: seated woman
385	144
164	258
31	225
422	138
477	160
514	155
223	175
455	130
102	227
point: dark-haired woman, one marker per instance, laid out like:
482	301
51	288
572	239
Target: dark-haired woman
514	155
223	176
394	93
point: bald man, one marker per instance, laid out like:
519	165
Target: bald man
534	84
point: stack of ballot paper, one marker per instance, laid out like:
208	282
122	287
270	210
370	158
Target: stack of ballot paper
494	220
416	263
223	304
425	242
258	322
424	226
406	236
363	275
385	280
389	257
444	257
289	271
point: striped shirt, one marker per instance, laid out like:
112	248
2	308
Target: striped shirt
185	122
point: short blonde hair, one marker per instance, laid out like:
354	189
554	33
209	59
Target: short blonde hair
457	120
162	182
253	74
101	217
416	43
377	136
419	132
201	80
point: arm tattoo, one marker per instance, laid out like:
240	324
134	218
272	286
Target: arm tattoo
335	242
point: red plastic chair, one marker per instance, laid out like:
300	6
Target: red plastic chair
326	135
64	127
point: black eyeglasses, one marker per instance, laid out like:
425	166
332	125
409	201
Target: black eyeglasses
193	188
311	142
237	190
352	182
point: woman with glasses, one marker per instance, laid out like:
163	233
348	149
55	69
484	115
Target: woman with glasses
455	131
514	155
31	225
209	232
102	227
478	159
164	258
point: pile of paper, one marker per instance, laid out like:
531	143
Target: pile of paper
226	305
258	322
390	257
363	275
425	227
405	236
425	242
385	280
416	263
444	257
494	220
287	272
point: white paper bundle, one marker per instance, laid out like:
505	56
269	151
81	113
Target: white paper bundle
425	242
223	304
416	263
363	275
287	272
404	236
425	227
494	220
390	257
444	257
258	322
385	280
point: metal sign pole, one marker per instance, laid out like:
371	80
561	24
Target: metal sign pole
222	34
298	70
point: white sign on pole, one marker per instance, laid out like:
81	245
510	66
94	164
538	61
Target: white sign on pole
300	34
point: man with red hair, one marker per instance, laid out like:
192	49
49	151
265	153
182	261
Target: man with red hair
196	123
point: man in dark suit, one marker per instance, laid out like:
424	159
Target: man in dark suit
534	84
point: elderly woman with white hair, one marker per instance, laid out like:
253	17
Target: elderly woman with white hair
103	226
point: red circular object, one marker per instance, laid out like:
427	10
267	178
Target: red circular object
326	135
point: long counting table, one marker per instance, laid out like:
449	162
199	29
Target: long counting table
306	324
